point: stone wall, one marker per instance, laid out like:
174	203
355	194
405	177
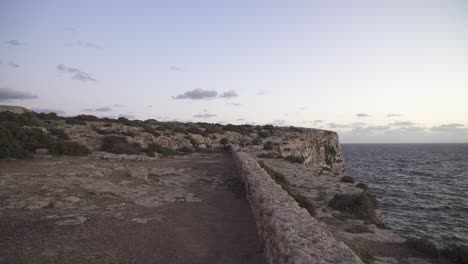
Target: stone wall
289	233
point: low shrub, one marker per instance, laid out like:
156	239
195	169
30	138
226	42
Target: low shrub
363	254
264	134
151	130
304	202
69	148
59	133
185	149
422	245
119	145
194	142
10	147
224	141
295	159
348	179
268	155
456	253
268	145
362	186
362	205
277	177
156	148
72	121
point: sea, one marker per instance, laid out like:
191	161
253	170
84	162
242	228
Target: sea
422	188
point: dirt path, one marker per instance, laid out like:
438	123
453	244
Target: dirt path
130	218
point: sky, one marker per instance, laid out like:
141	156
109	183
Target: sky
374	71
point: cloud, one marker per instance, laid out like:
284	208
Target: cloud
302	108
204	115
15	42
12	64
402	123
229	94
100	109
449	128
279	122
356	124
197	94
88	45
234	104
76	73
175	68
393	115
362	115
260	92
240	119
48	110
335	125
118	105
318	121
7	94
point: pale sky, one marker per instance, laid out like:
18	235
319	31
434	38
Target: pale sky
375	71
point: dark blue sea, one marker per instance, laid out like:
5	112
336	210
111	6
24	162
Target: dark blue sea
422	188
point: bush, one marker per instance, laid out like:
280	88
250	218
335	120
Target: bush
268	155
363	205
304	202
10	147
151	130
73	121
348	179
456	253
185	149
195	130
156	148
194	142
362	186
264	134
422	245
268	145
59	133
26	119
224	141
277	177
295	159
69	148
119	145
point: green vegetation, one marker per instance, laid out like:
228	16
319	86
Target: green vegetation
362	205
119	145
268	145
280	179
10	147
362	186
156	148
224	141
73	121
194	142
185	149
295	159
268	155
422	245
59	133
348	179
264	134
456	253
69	148
363	254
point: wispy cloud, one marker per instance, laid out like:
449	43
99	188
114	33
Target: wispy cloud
362	115
450	128
175	68
197	94
393	115
15	42
88	45
229	94
204	115
234	104
260	92
100	109
118	105
13	64
76	73
7	94
402	123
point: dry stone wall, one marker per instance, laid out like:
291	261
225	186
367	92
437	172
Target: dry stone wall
289	233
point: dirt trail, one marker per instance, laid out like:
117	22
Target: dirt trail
188	209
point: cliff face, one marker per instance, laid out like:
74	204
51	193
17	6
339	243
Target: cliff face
13	109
